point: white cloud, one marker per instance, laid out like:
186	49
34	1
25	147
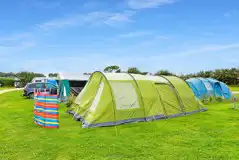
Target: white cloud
108	18
154	39
230	13
227	15
173	61
220	47
135	34
15	37
27	44
142	4
15	42
206	49
16	48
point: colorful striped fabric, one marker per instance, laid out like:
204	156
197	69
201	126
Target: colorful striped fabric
46	110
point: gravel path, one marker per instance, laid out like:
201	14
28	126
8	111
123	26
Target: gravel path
10	90
235	92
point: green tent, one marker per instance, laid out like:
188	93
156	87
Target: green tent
67	82
64	90
117	98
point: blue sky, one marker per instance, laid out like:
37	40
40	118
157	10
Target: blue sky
182	36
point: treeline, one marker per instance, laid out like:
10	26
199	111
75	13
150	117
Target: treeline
135	70
6	82
228	76
9	75
15	75
8	79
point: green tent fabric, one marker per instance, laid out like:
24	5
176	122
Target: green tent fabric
66	81
64	90
118	98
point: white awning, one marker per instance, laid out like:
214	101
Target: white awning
72	76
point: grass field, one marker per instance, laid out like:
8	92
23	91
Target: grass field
4	88
234	88
208	135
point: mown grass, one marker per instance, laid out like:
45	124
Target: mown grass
4	88
234	88
208	135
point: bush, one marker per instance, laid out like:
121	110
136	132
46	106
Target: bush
6	82
26	77
228	76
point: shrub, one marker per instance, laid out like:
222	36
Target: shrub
6	82
26	77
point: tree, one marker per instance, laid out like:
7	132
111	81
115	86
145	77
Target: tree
52	75
134	70
111	69
9	75
164	72
228	76
26	77
145	73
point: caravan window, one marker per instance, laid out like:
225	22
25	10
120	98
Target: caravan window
49	85
31	86
36	85
40	85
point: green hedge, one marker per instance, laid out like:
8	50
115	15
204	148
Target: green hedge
6	82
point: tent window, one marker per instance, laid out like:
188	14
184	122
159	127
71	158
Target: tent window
208	86
125	95
97	97
224	88
218	90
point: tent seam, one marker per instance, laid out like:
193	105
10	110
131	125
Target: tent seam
176	92
138	88
112	95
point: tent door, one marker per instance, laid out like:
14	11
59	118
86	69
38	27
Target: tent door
194	89
218	90
169	98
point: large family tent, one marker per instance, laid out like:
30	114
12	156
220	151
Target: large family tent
70	83
117	98
207	89
221	90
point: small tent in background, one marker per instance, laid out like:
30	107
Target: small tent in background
207	89
210	92
198	87
118	98
201	88
221	90
70	83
